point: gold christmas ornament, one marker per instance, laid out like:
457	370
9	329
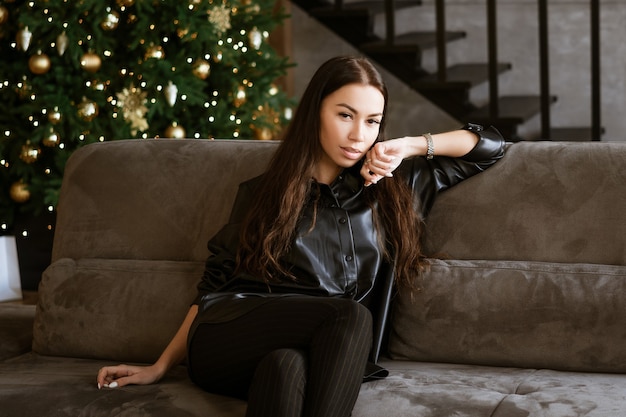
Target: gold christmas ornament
110	21
39	63
29	153
19	192
51	140
4	14
171	92
155	51
262	133
182	32
256	38
62	42
55	116
88	110
240	96
23	38
133	101
175	131
202	69
125	3
90	62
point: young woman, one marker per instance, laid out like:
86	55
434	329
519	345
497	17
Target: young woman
283	316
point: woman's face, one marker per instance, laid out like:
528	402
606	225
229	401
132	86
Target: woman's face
350	120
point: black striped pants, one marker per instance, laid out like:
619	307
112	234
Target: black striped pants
293	356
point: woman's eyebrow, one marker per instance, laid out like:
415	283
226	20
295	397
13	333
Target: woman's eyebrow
352	109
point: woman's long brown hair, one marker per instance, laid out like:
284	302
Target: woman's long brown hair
269	228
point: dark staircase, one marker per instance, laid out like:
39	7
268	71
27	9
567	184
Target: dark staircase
448	89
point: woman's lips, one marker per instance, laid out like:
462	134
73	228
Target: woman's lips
352	153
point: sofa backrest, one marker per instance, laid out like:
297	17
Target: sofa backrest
544	201
156	199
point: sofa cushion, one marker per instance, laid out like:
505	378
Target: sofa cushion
123	310
36	385
16	329
522	314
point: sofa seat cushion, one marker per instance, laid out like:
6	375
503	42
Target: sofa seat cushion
122	310
520	314
16	329
444	390
35	385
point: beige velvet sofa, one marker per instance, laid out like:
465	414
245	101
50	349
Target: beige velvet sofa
522	314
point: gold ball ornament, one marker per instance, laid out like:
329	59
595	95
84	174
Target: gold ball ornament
175	131
88	110
110	21
202	69
240	97
19	192
29	153
51	140
125	3
55	116
4	14
39	63
90	62
155	51
263	133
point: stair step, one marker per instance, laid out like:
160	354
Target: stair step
513	110
414	42
460	76
572	134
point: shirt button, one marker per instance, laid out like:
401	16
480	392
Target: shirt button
349	258
342	220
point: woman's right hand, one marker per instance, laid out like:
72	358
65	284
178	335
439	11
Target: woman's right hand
120	375
174	353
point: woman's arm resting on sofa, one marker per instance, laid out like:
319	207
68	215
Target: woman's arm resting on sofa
174	353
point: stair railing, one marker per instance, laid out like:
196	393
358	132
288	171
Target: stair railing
596	105
492	53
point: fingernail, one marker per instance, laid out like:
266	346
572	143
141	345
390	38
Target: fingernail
99	386
389	175
113	384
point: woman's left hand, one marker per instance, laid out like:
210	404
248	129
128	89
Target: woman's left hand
382	159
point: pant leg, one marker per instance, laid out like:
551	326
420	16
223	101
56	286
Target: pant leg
279	384
334	333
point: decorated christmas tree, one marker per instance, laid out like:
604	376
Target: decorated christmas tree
77	72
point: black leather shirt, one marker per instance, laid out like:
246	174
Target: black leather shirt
341	256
